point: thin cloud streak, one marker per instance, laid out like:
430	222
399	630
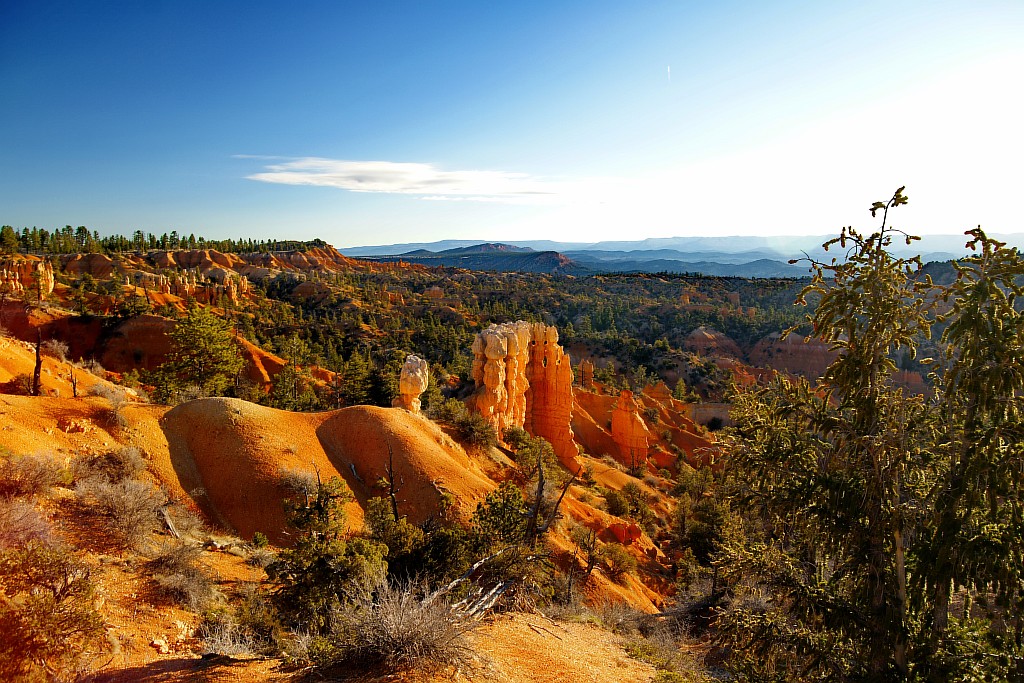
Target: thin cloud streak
409	178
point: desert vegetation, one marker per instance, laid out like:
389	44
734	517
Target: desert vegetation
842	526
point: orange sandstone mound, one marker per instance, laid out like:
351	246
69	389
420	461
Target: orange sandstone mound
243	454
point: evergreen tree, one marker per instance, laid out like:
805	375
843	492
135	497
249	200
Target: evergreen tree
868	506
203	353
312	574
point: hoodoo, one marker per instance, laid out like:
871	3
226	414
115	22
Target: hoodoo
524	379
411	383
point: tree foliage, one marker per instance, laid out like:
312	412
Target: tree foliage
203	354
870	508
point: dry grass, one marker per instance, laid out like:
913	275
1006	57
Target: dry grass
29	475
130	506
397	627
21	522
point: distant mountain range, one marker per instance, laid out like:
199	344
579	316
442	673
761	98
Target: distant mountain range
751	256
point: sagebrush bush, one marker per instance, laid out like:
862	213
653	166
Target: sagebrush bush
261	557
397	626
187	521
29	475
246	626
180	575
56	348
225	637
21	522
118	399
124	463
299	482
131	506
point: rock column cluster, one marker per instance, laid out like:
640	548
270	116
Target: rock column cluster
18	275
524	379
500	356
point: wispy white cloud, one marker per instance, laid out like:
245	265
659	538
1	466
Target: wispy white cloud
425	180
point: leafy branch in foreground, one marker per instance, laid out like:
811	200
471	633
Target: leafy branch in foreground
869	507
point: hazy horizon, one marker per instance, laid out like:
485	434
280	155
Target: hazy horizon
576	122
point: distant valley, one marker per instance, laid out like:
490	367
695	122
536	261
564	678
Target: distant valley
751	256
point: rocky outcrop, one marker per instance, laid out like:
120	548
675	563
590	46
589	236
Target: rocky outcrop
587	374
795	354
705	341
98	266
411	383
26	274
625	533
211	288
629	431
524	379
549	398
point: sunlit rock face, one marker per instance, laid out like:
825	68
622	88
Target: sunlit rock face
629	430
524	379
549	398
26	274
411	383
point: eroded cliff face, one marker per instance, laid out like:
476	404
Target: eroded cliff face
629	431
20	274
524	379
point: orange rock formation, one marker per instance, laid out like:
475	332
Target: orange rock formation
524	379
794	354
587	375
707	342
411	383
19	274
629	431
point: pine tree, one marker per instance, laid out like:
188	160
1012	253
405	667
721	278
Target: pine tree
203	353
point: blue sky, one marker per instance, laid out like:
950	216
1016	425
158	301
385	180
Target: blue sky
370	123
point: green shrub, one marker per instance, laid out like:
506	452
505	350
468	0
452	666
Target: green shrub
47	619
617	562
616	503
313	575
515	437
475	430
449	410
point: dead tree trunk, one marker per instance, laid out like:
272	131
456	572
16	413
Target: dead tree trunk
39	364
